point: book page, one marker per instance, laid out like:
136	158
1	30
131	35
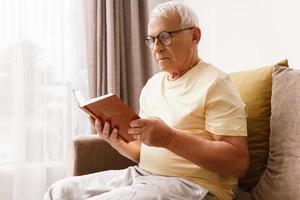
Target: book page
79	97
97	99
82	101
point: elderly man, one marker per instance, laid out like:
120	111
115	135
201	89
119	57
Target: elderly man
191	138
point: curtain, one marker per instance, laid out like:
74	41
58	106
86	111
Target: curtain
118	60
42	57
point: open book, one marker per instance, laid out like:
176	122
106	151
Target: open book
109	108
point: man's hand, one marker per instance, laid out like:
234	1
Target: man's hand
152	132
130	150
105	133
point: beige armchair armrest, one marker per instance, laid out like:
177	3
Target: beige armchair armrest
88	154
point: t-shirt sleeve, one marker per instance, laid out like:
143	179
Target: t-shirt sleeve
225	111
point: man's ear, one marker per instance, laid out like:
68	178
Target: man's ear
196	34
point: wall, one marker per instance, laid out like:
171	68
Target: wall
240	35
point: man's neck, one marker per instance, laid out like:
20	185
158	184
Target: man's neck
175	75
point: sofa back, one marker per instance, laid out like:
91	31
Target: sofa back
281	179
255	87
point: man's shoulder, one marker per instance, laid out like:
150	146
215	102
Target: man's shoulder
212	70
210	73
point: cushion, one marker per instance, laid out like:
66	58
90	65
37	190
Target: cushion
282	176
255	88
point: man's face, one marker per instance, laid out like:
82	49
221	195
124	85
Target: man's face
179	53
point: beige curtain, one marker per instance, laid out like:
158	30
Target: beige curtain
119	62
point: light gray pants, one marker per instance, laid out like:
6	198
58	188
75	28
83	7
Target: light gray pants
131	183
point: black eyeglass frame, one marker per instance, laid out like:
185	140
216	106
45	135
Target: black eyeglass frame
152	38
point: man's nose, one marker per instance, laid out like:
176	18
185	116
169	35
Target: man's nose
157	45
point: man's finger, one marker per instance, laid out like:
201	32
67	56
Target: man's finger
106	130
98	125
114	134
92	120
138	123
135	137
134	131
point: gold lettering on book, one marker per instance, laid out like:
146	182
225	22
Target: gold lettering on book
110	110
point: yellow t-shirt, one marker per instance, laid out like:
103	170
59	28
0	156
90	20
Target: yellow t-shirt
201	102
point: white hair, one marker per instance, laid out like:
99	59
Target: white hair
187	16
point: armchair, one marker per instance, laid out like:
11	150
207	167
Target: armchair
90	154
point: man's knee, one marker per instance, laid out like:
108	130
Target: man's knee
62	189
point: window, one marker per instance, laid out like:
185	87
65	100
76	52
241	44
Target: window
42	57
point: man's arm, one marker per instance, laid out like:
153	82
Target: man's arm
225	155
130	150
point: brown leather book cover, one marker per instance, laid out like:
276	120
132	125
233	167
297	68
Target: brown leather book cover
109	108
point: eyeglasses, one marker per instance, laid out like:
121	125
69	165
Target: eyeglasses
165	38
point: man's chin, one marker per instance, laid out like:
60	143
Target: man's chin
164	65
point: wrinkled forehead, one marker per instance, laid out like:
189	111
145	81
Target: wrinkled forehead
158	24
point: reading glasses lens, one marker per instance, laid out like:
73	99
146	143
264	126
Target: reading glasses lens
164	38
